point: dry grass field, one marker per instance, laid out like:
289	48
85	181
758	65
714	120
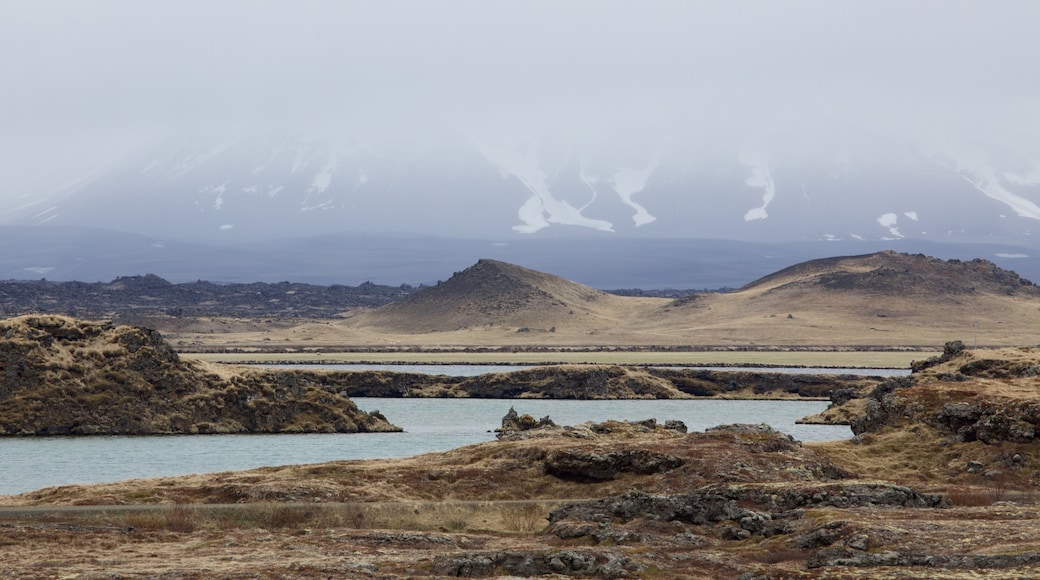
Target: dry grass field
940	481
879	301
457	513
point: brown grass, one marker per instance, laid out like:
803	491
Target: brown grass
524	519
180	519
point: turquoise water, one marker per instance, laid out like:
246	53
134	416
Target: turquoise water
430	425
474	370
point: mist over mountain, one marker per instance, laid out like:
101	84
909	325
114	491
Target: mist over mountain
253	188
317	141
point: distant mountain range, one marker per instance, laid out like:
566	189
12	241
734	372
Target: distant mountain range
330	210
264	187
603	261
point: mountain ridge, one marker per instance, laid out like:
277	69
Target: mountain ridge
491	292
260	187
886	298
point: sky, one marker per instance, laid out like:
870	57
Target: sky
81	81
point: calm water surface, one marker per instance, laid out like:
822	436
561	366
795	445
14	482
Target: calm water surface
474	370
430	425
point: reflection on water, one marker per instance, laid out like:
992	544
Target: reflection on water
430	425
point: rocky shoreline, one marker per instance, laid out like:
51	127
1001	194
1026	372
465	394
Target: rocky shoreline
62	376
940	480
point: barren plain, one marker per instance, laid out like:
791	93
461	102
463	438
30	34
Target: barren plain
939	481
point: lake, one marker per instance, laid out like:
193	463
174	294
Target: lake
467	370
430	424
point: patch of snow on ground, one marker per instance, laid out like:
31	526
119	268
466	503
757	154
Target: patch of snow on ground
273	191
975	168
542	208
890	220
319	184
1012	256
911	214
250	189
219	190
628	182
323	205
323	178
227	226
761	177
41	270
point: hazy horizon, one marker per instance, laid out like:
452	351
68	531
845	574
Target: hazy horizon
756	120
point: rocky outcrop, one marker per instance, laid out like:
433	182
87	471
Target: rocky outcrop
574	563
132	296
590	382
735	511
850	557
62	376
954	408
713	383
582	465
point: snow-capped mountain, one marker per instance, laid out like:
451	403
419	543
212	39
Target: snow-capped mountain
268	187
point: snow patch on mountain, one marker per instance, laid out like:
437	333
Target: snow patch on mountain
890	221
323	179
542	208
220	190
628	182
911	214
761	177
975	167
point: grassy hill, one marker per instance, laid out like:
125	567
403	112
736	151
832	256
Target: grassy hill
881	300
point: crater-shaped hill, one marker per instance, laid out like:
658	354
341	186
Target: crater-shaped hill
493	293
892	273
61	376
886	298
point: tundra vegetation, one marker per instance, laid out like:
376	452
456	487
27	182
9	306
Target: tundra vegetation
939	480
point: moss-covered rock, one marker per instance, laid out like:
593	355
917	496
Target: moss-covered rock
62	376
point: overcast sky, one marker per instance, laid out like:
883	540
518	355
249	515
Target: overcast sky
79	78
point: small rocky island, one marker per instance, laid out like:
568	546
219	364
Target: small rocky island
61	376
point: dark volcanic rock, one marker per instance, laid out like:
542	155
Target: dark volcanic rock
588	466
150	294
62	376
737	512
578	563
